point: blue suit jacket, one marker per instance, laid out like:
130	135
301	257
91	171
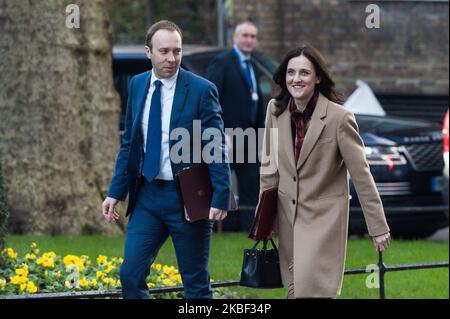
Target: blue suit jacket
226	73
195	99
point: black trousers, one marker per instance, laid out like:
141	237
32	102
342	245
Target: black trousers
248	190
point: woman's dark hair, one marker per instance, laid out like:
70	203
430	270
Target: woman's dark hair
326	85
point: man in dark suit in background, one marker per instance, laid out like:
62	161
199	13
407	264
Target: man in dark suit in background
160	101
233	73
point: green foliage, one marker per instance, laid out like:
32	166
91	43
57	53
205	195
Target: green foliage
47	272
226	262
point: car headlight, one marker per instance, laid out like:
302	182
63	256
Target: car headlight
385	155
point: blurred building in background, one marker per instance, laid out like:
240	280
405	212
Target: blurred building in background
405	61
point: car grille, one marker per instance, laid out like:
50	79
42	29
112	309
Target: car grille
425	157
394	189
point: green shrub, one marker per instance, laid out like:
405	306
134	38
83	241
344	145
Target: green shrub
48	272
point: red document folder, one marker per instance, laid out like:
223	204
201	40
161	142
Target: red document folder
266	213
195	193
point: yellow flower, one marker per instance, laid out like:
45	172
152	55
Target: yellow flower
57	274
49	255
109	268
33	245
22	271
46	262
161	277
70	260
84	282
109	281
166	270
150	284
158	267
100	274
101	259
178	278
11	253
15	280
94	282
2	284
168	282
18	280
30	256
23	287
31	287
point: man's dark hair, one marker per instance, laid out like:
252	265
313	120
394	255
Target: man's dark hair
161	25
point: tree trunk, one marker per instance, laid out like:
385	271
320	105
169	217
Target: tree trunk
59	115
3	212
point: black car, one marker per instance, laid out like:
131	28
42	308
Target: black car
405	156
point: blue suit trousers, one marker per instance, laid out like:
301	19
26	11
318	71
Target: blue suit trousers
156	216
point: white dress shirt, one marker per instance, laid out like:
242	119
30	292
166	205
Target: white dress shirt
167	94
242	58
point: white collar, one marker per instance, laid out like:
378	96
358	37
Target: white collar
167	82
241	54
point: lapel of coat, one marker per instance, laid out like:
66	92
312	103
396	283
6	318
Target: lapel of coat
141	96
179	98
285	136
237	64
315	129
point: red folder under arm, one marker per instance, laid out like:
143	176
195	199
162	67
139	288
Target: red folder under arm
266	213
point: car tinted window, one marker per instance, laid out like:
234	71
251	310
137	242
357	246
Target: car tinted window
199	62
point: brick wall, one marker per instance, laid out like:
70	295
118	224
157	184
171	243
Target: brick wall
409	53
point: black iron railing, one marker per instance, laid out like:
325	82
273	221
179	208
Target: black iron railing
382	269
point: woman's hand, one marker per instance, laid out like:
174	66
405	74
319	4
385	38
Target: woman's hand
382	242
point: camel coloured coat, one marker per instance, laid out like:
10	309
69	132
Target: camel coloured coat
313	195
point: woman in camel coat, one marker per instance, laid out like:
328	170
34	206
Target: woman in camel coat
310	143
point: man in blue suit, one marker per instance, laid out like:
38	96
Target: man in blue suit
233	73
161	100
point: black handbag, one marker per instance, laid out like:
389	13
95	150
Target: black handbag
261	267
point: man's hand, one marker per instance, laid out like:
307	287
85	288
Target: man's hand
382	242
109	209
217	214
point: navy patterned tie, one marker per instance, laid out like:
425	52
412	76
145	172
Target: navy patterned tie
248	73
154	136
248	76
